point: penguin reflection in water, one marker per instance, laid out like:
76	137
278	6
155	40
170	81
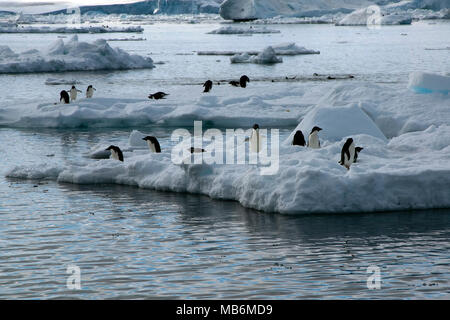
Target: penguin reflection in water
116	153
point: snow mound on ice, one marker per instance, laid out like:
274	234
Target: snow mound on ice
71	56
338	123
373	15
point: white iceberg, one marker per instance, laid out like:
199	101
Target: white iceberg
372	16
422	82
267	56
284	49
71	56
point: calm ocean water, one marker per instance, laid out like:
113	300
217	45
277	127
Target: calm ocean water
142	244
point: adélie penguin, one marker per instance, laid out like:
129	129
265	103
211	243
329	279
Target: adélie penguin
207	85
64	96
90	91
116	153
347	153
158	95
153	144
255	139
357	151
313	139
243	81
299	139
73	93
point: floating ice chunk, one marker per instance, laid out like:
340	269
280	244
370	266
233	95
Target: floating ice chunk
284	49
90	29
71	56
422	82
267	56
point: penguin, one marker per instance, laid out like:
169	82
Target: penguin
153	144
196	150
158	95
255	139
299	139
64	96
357	150
348	153
208	86
116	153
90	91
73	93
234	83
243	81
313	139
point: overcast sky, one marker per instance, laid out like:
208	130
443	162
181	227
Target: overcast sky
39	6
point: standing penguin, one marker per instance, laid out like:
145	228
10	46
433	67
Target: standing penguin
90	91
255	139
64	96
153	144
243	81
299	139
348	153
357	150
313	139
116	153
73	93
208	86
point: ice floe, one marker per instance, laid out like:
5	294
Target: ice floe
267	56
71	56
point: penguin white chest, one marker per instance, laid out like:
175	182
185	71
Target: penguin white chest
255	141
89	93
73	94
313	140
114	155
151	145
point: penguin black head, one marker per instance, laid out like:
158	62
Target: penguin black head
358	149
154	141
208	85
73	87
90	87
116	150
299	139
243	81
255	126
316	129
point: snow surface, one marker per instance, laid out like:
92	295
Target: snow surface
405	163
241	30
71	56
267	56
422	82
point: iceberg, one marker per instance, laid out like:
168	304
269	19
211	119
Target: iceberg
71	56
373	16
422	82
